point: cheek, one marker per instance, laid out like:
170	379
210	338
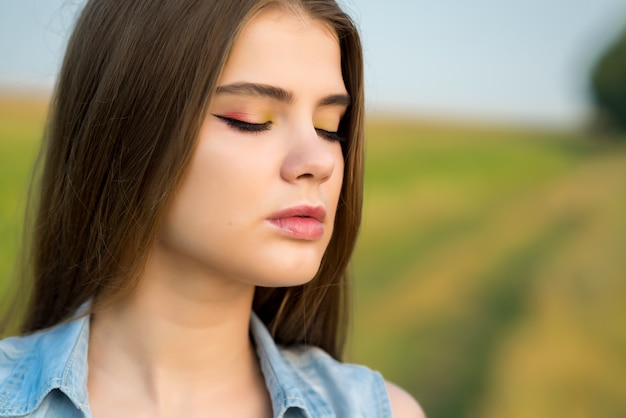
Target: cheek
200	186
339	172
334	185
222	181
196	203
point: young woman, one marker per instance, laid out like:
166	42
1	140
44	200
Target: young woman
199	203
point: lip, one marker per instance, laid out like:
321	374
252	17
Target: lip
301	222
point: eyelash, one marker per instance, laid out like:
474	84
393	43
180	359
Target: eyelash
260	127
331	136
244	126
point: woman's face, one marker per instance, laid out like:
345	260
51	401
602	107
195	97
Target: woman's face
259	200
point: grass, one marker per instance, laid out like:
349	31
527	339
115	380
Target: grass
491	268
455	255
21	125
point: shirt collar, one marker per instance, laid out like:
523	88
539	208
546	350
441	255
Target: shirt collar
285	384
53	359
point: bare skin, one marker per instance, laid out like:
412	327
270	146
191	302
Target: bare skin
152	359
402	404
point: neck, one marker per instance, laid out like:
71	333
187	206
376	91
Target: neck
183	330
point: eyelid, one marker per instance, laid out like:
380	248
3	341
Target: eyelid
260	127
329	135
243	126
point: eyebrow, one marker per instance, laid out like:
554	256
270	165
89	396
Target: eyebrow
264	90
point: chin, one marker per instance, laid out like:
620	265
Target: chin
284	279
281	275
280	265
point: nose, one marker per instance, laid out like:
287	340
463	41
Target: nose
310	157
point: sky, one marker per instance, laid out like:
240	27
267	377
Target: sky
523	61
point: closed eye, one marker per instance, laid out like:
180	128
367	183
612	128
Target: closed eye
329	135
244	126
260	127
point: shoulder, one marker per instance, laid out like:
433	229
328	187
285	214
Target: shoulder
34	366
316	364
14	351
18	372
402	404
350	390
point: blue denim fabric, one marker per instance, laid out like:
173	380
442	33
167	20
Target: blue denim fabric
45	375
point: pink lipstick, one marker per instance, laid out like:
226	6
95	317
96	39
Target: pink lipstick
301	222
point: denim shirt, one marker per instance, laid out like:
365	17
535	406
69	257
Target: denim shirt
45	375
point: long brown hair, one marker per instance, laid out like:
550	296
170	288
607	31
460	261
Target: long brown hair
132	93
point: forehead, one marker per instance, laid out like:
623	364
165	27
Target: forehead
289	50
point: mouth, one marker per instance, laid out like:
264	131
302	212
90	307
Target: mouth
304	211
300	222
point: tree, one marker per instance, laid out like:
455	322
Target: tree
608	84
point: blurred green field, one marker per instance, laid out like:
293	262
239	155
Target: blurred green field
490	275
21	125
491	270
